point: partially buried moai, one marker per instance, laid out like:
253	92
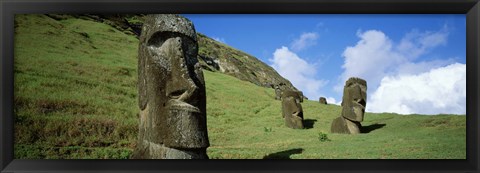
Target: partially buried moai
353	107
292	110
171	87
322	100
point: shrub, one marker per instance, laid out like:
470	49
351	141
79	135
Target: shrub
322	137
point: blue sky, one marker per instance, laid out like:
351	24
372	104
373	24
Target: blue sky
412	63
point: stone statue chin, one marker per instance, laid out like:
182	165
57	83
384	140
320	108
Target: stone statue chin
171	87
353	107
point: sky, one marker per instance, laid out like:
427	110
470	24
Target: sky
413	64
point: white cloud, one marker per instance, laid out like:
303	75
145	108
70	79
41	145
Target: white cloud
305	40
219	39
369	59
410	68
440	90
416	43
298	71
397	80
376	55
331	100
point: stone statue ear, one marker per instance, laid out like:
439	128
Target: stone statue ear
142	78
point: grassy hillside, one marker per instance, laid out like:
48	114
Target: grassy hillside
76	97
212	55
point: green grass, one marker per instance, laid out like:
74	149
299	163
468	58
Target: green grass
240	112
75	89
76	97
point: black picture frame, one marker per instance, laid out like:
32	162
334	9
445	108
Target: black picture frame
8	8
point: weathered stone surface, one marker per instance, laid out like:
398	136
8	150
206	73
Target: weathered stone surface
171	86
353	107
300	96
278	90
323	100
278	93
280	87
292	109
354	99
210	63
353	126
343	125
339	126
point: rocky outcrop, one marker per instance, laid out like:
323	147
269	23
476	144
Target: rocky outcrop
216	56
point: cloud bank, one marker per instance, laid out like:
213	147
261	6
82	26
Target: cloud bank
440	90
297	71
397	82
331	100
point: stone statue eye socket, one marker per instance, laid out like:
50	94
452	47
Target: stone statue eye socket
176	94
350	84
158	38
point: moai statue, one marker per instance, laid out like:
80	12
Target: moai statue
301	96
322	100
278	90
171	87
278	93
353	107
292	110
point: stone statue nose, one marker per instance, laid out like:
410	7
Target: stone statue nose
182	86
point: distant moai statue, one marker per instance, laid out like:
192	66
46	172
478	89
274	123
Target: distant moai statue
172	97
278	93
292	110
353	107
301	96
323	100
278	90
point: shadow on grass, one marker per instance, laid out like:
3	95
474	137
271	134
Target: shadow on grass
308	123
284	154
369	128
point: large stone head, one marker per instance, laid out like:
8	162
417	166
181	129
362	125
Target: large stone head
323	100
171	83
292	109
354	99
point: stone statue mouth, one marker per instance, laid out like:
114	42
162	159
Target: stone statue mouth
174	104
359	106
